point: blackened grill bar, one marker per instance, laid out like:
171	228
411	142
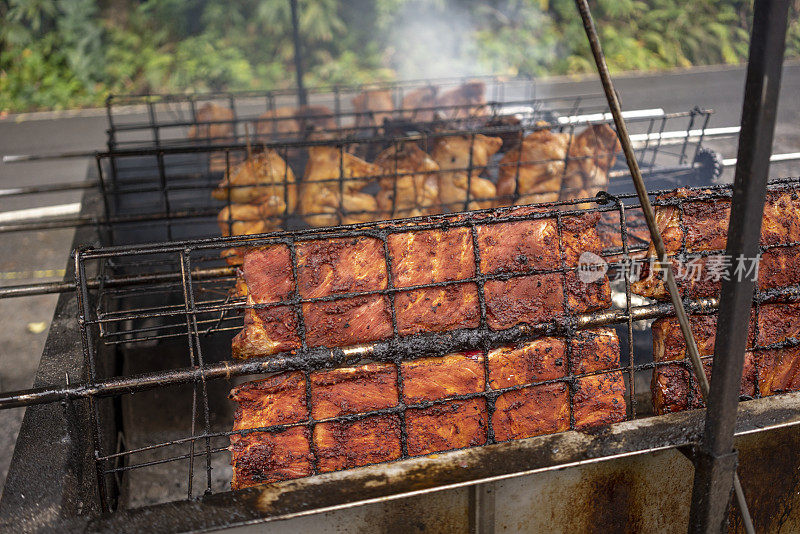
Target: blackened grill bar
415	347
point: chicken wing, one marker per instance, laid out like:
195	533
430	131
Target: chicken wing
413	187
591	155
331	191
458	154
418	104
372	107
466	100
532	172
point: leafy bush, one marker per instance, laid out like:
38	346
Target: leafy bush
63	53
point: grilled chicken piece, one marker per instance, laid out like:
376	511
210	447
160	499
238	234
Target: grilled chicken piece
705	221
372	107
331	191
551	166
220	133
257	180
244	219
413	188
290	122
591	155
216	133
466	100
456	156
418	104
248	219
533	171
347	265
445	406
260	192
509	129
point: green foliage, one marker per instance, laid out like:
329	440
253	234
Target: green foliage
59	53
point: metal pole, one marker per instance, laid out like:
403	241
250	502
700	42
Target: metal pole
302	98
715	458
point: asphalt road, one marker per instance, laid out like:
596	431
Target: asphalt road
25	320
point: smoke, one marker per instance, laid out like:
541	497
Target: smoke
433	40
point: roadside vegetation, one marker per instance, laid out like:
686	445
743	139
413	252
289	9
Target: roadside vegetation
68	53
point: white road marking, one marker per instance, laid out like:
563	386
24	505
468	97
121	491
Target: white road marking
790	156
41	213
683	134
632	114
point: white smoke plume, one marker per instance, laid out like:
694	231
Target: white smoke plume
433	40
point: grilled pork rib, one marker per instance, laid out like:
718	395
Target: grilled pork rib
348	277
446	408
703	225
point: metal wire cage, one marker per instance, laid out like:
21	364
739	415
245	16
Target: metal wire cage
179	118
185	192
167	314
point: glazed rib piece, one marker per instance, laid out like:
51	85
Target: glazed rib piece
772	365
446	406
348	278
260	457
705	229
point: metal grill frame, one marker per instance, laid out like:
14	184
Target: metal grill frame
161	179
308	359
183	107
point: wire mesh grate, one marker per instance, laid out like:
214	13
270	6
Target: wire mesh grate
186	306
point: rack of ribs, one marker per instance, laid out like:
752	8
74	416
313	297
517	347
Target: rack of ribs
356	416
297	424
696	223
343	283
771	358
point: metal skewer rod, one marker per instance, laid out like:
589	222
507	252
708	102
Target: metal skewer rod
322	357
649	214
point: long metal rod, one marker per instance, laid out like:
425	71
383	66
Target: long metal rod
716	458
321	357
649	214
302	97
46	288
